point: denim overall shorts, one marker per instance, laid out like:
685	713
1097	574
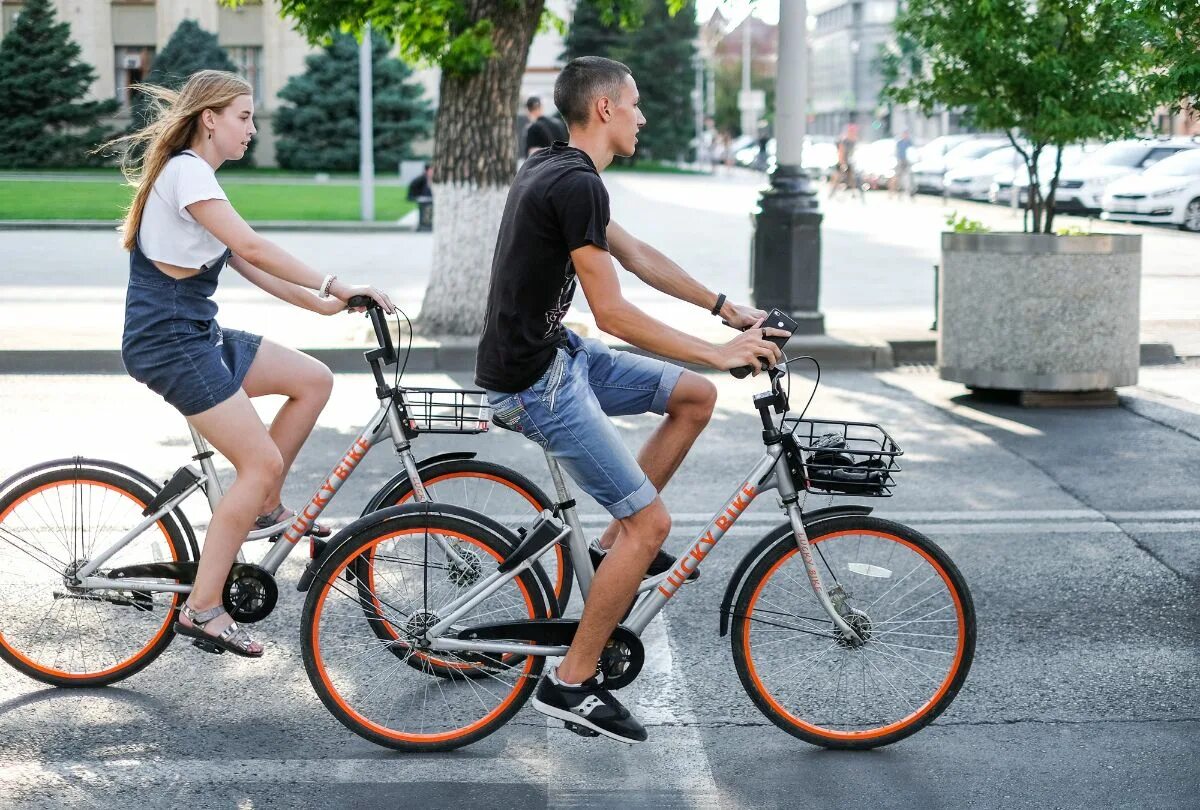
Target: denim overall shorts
172	343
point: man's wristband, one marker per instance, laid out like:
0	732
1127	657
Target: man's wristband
716	310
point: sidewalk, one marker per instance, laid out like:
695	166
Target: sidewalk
877	281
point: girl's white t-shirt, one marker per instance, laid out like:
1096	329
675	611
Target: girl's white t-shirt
168	233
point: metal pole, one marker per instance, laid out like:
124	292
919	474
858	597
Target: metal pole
366	126
791	98
785	268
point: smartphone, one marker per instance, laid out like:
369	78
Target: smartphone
775	320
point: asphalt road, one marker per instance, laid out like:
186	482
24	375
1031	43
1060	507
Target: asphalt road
1076	529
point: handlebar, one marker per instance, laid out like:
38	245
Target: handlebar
387	350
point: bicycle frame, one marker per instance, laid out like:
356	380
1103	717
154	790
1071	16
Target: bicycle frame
769	472
384	424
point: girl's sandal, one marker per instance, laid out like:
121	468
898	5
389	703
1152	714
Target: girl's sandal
275	516
233	638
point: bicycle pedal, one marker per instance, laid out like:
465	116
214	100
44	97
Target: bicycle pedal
582	731
207	646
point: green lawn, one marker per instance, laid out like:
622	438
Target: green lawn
21	199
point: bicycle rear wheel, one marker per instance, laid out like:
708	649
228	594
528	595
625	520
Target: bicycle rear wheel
388	690
52	523
903	596
502	494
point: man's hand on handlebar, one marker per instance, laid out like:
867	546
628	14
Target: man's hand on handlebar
749	348
344	292
744	317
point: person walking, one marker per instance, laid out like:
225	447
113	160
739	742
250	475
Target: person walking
845	174
560	390
181	232
543	130
901	182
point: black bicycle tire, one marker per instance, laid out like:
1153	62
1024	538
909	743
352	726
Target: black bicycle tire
395	520
95	470
786	546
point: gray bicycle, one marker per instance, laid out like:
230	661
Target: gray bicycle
95	557
848	631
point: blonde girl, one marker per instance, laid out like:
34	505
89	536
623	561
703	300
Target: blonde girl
181	232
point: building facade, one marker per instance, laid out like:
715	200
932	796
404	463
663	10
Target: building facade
119	39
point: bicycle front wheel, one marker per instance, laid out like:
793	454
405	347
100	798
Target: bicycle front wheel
51	524
385	687
905	599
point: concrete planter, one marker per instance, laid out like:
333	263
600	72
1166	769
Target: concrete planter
1035	312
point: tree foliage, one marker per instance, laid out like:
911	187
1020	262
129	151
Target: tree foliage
44	117
320	131
1049	73
659	51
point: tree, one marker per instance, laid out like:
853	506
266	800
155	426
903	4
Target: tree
320	130
659	51
1049	73
481	47
189	50
728	117
44	117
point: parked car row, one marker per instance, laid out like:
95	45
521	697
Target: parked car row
1145	180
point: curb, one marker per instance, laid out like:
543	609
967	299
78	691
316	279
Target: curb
340	226
457	356
924	352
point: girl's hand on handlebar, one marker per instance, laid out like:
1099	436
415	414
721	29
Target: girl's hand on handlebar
344	292
330	306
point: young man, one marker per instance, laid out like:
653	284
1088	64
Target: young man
559	389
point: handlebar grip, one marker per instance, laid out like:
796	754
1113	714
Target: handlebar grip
379	322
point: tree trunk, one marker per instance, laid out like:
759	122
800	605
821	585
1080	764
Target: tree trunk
1053	190
474	160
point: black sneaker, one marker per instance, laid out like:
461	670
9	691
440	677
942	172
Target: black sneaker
662	561
587	705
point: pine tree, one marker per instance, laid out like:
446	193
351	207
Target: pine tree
189	50
44	117
319	131
660	53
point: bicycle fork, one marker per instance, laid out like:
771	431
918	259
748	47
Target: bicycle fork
790	503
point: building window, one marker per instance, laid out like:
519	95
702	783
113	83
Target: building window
132	66
249	64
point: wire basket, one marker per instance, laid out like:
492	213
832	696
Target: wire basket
846	458
446	410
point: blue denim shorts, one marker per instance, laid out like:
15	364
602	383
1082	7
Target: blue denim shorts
566	412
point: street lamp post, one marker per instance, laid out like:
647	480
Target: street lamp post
785	267
366	141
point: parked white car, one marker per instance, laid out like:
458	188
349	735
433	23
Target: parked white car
1169	191
973	178
1002	190
1082	188
929	171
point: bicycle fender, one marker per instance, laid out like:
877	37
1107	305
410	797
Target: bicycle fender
401	478
113	466
392	512
770	539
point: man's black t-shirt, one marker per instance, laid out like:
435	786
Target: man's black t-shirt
557	204
543	132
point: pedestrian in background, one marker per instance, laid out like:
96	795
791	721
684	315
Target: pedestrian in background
543	130
421	188
845	173
180	232
901	182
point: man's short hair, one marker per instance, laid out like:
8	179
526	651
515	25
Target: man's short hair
533	103
582	81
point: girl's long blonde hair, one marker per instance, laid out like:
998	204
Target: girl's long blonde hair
175	121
